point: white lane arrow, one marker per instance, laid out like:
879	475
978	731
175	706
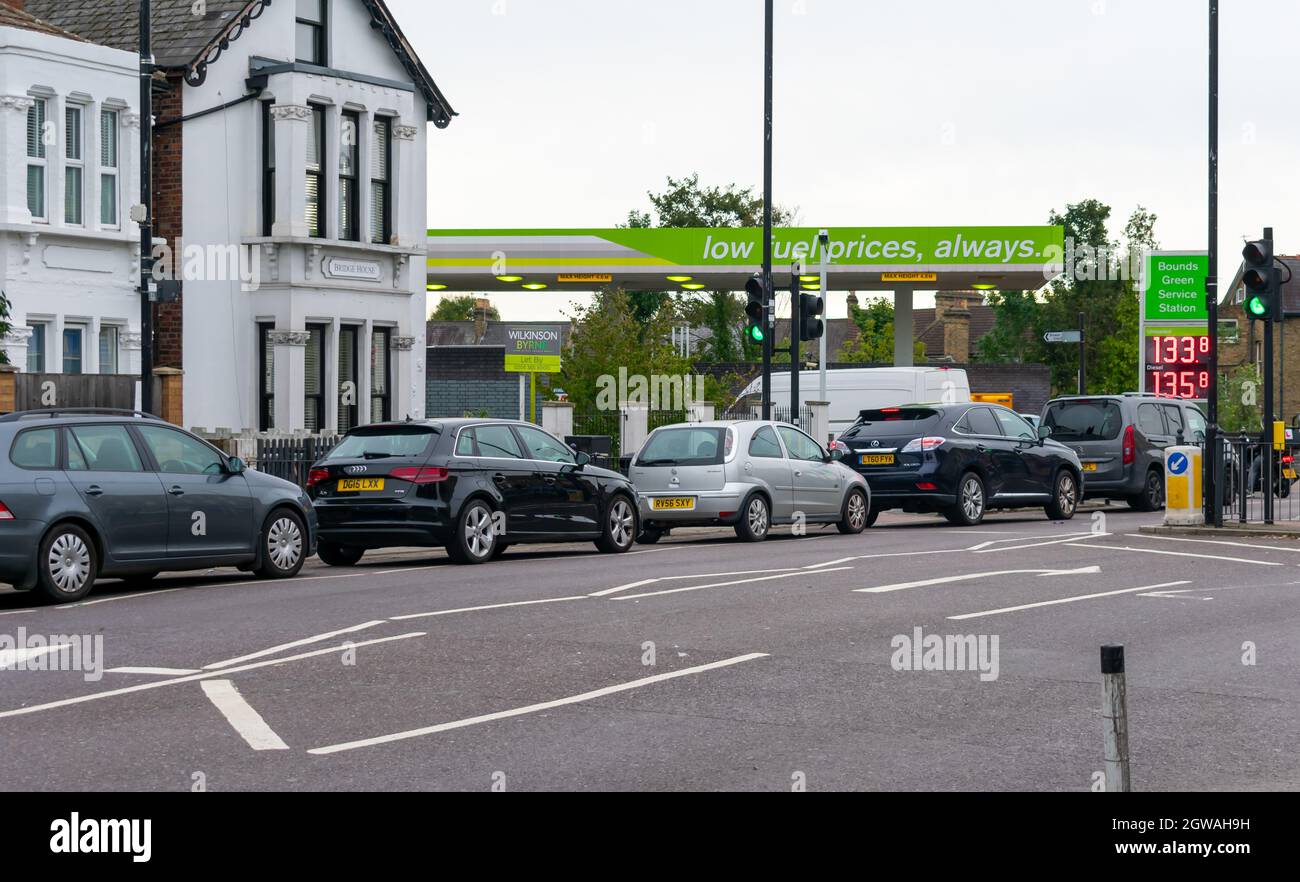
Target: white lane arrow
899	586
1181	594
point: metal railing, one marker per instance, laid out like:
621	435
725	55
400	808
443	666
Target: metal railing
291	458
1247	497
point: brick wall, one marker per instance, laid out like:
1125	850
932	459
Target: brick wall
167	183
1286	352
470	378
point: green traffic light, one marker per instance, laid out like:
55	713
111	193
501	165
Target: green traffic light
755	333
1256	306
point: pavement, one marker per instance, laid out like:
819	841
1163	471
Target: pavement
699	663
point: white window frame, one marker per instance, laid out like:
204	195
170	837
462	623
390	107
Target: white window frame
84	331
40	328
110	171
41	158
74	162
113	351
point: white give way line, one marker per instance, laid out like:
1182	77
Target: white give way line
966	577
241	715
536	708
1245	560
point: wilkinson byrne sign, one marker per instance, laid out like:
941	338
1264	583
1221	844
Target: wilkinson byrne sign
533	349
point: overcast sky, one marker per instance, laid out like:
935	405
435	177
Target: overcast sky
886	113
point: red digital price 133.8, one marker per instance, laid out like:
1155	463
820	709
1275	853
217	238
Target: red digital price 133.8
1178	366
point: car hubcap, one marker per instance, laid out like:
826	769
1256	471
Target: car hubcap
478	532
972	499
69	563
857	511
284	543
620	523
757	517
1066	494
1153	490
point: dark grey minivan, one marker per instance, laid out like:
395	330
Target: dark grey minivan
1121	440
91	492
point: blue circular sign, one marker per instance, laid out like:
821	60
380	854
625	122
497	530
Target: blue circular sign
1178	463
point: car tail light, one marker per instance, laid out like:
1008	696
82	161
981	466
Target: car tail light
926	486
5	513
728	443
840	446
316	476
1129	446
421	474
918	445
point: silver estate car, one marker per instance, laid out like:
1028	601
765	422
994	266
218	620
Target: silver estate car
749	474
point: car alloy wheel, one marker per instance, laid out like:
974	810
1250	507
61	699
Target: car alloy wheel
857	511
621	523
69	563
756	516
478	532
1155	491
1066	496
972	498
284	543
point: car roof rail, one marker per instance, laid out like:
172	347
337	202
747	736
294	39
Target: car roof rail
56	412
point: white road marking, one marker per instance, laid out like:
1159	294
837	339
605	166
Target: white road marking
465	609
1011	548
941	580
800	572
1070	536
141	687
241	715
1262	563
1179	594
1212	542
1007	609
159	672
605	592
535	708
117	597
12	657
291	645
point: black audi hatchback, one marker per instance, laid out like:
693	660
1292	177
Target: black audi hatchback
473	486
960	460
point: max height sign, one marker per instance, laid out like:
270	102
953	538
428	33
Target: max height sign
533	349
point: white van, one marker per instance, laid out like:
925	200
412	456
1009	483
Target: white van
850	390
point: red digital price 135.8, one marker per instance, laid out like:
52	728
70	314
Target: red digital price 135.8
1178	366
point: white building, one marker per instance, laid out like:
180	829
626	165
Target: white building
69	173
290	163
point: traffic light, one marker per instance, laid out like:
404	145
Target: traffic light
810	310
1263	299
754	308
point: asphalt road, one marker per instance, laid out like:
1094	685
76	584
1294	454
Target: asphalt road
701	663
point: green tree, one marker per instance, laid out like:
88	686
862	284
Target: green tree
874	341
1101	283
460	309
607	336
686	203
1240	395
4	325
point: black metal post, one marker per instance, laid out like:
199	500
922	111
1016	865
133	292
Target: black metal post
1213	499
1083	360
796	336
769	293
146	199
1266	475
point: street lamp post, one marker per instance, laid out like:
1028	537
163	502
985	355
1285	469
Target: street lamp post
145	218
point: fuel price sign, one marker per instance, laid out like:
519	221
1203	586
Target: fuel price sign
1176	361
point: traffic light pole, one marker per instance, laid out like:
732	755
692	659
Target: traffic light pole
1083	360
1266	478
769	298
1213	459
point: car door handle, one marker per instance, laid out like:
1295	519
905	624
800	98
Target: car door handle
94	490
798	473
550	479
176	490
499	479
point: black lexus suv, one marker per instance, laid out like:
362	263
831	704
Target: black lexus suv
960	460
473	486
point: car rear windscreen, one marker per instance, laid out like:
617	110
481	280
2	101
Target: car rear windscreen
684	446
383	443
1084	420
890	420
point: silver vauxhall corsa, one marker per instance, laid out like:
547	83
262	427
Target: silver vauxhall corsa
750	474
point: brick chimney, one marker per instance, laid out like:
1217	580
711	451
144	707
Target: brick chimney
955	319
948	300
16	4
481	307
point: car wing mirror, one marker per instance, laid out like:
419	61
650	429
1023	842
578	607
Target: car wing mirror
581	458
236	466
835	455
1044	432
